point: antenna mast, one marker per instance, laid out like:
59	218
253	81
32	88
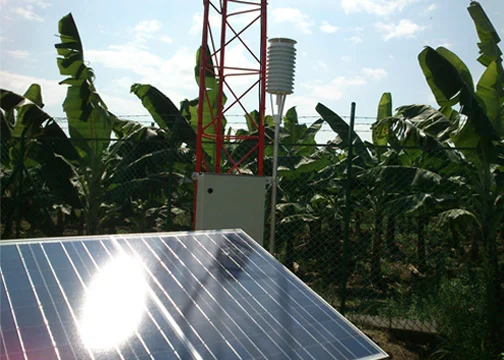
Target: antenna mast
232	75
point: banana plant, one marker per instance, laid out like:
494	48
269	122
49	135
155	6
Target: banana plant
209	103
464	144
141	165
89	121
483	137
180	128
113	176
298	158
165	114
34	147
366	158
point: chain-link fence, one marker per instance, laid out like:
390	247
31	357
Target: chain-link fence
54	187
404	238
407	239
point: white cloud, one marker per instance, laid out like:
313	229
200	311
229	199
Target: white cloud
166	39
146	29
376	74
53	94
354	39
404	29
319	65
236	21
122	105
148	26
305	105
430	8
197	23
294	16
375	7
238	57
328	28
344	81
346	58
19	54
332	90
28	13
40	3
324	91
122	82
173	76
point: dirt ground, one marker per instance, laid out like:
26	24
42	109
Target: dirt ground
400	346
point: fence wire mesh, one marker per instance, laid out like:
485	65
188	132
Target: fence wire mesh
408	241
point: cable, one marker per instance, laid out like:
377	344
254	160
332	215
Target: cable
226	115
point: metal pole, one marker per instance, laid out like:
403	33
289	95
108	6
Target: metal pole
262	89
278	118
348	189
20	183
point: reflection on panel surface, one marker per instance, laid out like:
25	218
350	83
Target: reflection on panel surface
213	295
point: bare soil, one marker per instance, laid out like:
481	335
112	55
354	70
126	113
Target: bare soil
402	345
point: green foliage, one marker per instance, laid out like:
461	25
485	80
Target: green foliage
210	104
165	113
417	181
340	127
487	34
380	132
30	115
87	114
460	312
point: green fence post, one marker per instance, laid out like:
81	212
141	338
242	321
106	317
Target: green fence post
348	189
20	166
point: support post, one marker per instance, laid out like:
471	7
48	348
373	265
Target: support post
348	190
274	181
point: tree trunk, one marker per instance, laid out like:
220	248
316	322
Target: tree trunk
289	248
333	251
60	224
315	247
421	248
376	250
474	252
8	228
93	203
390	236
455	240
358	223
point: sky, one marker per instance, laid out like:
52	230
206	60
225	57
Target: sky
347	50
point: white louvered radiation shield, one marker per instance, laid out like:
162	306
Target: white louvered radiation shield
281	66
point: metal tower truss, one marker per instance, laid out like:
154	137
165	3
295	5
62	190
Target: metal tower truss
232	82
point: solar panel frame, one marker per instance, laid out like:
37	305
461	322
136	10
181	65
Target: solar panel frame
249	344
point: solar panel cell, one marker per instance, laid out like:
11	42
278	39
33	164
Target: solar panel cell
11	341
213	295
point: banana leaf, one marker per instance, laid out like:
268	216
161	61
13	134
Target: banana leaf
340	127
89	122
165	113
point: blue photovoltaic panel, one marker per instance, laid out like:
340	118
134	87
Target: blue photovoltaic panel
201	295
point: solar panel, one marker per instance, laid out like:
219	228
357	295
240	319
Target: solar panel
196	295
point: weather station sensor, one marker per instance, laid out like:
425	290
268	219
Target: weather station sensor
279	82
